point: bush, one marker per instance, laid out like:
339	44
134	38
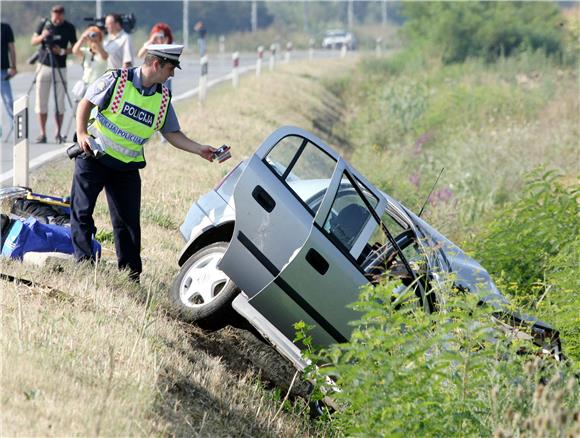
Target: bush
490	30
408	373
520	243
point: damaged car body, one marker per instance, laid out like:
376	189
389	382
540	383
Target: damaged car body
292	234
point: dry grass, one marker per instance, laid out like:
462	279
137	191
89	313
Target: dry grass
93	354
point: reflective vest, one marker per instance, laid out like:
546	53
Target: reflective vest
129	119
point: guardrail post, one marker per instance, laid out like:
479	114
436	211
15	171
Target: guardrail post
378	48
203	79
343	51
311	43
20	150
222	44
259	60
272	56
288	51
235	69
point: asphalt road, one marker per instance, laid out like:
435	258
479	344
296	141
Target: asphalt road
184	83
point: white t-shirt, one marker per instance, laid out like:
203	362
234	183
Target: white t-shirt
119	49
93	65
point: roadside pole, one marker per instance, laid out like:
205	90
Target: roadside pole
20	151
288	51
259	60
235	69
343	51
378	48
311	43
222	44
203	80
272	56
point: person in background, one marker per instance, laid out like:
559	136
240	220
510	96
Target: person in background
8	67
118	43
160	34
132	104
56	34
89	48
201	32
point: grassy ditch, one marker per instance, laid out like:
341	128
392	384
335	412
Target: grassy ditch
85	352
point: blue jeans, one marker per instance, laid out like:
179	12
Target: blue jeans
7	95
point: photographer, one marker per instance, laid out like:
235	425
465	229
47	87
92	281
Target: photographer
160	34
55	36
8	66
89	48
118	43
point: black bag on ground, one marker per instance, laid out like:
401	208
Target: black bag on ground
43	212
5	224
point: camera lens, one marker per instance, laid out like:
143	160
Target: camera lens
92	35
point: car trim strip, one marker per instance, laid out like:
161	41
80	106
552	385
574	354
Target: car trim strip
244	240
288	290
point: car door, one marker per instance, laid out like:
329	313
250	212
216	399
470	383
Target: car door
325	275
273	216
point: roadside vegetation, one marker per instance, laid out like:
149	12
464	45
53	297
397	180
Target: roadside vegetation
496	105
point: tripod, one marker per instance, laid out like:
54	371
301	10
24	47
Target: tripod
47	51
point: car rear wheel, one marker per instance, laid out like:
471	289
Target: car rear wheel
201	292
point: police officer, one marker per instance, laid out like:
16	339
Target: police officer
128	106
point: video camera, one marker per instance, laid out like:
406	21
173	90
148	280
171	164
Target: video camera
47	42
128	22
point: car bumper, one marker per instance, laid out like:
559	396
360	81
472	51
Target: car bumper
207	212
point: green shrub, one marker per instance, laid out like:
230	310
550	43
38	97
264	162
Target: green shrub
406	373
489	30
520	243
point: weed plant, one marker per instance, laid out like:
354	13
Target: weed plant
450	373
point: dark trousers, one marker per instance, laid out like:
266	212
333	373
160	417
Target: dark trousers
123	190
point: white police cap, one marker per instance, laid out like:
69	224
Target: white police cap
167	52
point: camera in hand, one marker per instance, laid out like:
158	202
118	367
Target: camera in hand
128	22
93	35
75	150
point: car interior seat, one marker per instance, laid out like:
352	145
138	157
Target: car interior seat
348	223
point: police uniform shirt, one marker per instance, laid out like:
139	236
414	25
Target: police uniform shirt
99	93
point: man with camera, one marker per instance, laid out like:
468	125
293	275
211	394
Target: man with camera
56	37
130	105
118	43
8	67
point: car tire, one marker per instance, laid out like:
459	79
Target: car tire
201	292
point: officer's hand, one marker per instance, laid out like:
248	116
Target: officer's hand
206	151
84	143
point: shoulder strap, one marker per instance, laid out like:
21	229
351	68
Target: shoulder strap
166	96
121	83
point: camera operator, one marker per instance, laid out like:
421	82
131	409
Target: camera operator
55	35
8	67
118	43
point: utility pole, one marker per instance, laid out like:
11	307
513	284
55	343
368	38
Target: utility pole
305	15
350	14
384	12
254	16
99	8
185	24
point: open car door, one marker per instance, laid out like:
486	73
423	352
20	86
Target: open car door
325	275
276	200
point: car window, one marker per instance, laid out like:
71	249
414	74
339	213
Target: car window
349	214
304	167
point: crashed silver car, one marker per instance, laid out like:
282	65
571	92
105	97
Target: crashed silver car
292	234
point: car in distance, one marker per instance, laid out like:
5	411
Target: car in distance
292	234
336	39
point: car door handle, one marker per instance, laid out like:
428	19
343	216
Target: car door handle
264	199
318	262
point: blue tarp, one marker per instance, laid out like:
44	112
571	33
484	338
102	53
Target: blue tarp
32	236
